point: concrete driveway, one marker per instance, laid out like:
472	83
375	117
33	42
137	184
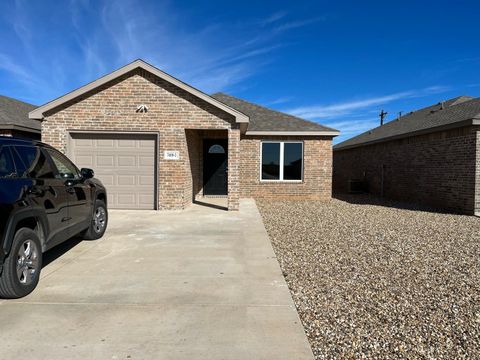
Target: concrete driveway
197	284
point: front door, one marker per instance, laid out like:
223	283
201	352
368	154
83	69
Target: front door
215	160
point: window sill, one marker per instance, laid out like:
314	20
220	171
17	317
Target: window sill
281	181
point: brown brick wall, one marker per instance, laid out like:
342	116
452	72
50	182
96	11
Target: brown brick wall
317	174
477	176
182	121
112	107
436	169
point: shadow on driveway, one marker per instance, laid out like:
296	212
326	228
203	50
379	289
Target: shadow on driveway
59	250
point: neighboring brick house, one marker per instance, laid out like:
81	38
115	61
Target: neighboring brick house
14	119
158	143
430	156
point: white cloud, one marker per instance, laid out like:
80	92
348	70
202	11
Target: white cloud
298	24
88	39
19	72
274	18
346	108
280	100
214	57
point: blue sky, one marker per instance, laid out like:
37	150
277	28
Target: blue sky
337	63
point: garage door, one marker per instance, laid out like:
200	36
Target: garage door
124	163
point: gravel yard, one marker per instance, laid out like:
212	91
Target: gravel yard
378	280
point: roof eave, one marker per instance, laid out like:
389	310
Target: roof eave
470	122
294	133
38	113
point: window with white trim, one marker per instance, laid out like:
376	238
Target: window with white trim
281	161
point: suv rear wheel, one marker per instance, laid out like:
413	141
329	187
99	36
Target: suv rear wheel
21	269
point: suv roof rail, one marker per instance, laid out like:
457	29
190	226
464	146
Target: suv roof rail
15	140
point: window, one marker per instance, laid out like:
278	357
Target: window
216	149
32	162
66	169
282	161
270	161
7	167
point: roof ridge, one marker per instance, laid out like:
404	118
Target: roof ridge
429	118
38	113
17	100
464	98
272	110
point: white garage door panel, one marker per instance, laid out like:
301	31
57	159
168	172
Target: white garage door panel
124	163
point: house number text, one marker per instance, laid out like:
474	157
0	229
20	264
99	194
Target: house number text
171	155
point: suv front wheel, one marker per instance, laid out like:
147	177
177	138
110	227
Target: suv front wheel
21	269
99	222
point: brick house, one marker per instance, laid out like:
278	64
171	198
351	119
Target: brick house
14	119
430	156
158	143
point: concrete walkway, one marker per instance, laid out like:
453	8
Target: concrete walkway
197	284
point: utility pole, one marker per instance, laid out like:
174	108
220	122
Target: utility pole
382	116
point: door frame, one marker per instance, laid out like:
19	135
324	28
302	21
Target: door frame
155	136
204	164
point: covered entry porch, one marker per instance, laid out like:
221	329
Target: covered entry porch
213	157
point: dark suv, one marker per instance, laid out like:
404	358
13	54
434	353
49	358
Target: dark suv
44	200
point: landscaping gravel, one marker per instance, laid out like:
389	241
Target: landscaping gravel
375	279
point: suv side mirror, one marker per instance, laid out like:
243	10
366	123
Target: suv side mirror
87	173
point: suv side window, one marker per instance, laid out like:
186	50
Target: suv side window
66	169
34	163
7	167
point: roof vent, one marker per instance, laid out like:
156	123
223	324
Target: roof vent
142	108
442	106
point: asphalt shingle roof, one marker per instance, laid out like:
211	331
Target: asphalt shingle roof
456	110
15	112
264	119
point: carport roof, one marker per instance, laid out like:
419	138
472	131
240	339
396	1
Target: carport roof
264	121
453	113
39	112
14	115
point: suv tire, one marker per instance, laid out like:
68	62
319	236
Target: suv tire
99	222
22	266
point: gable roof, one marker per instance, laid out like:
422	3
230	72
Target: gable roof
14	115
264	121
456	112
39	112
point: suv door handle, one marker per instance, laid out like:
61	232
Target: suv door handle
71	190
